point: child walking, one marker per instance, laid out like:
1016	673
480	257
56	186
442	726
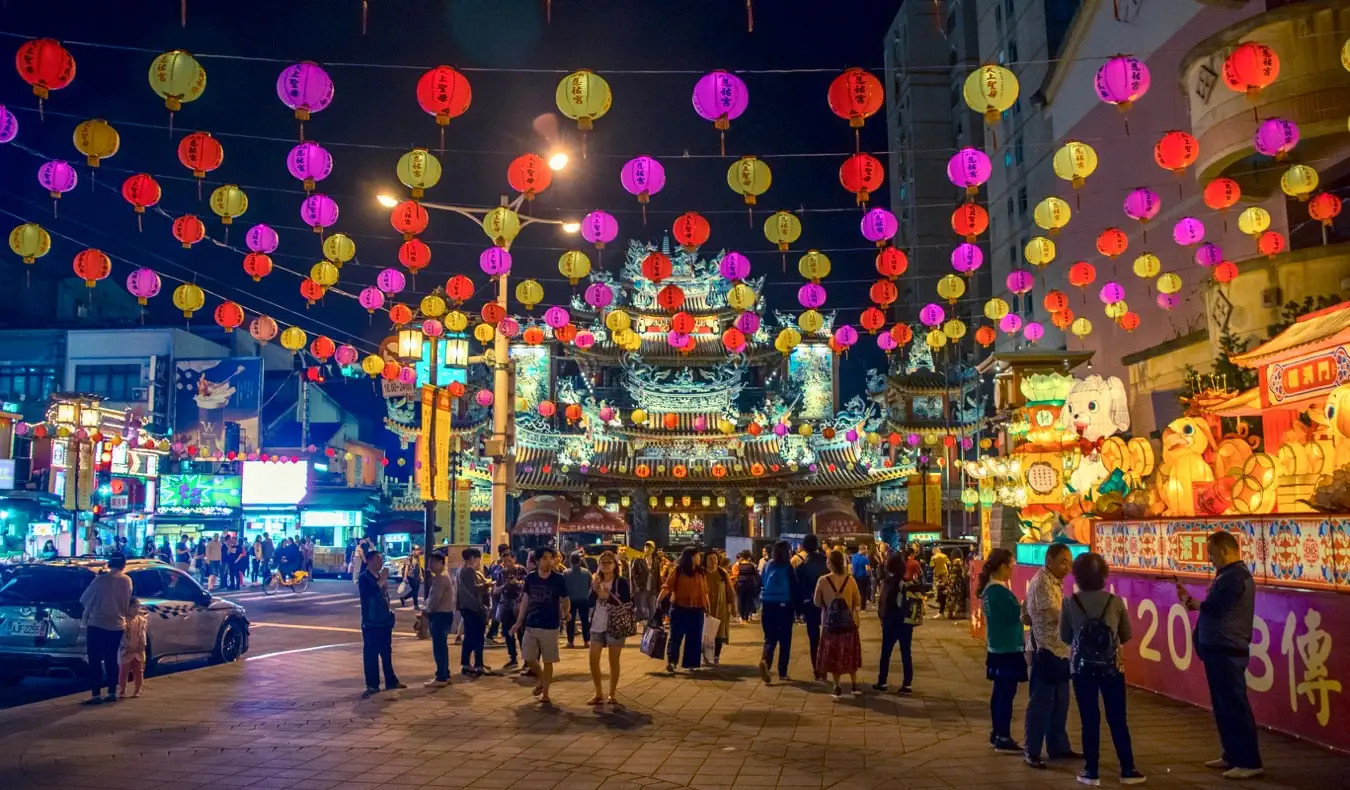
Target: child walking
132	655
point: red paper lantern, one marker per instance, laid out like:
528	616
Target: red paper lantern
390	373
671	421
229	316
189	230
682	322
1176	151
141	191
1222	193
862	174
409	218
1055	301
670	298
414	254
902	333
733	339
1062	319
257	265
1130	321
400	314
573	413
459	288
311	291
1271	243
322	348
533	336
565	333
46	65
444	93
883	292
529	175
1112	242
91	266
201	153
1082	274
872	319
891	263
970	220
1324	207
754	429
691	230
985	336
855	96
492	313
1251	67
1225	272
656	267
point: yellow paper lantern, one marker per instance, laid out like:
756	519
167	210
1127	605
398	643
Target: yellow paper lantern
991	90
432	306
1169	283
1147	266
484	333
502	225
1299	181
529	293
293	338
810	321
419	170
455	321
787	339
574	265
372	365
996	308
339	248
1116	309
782	228
188	298
814	266
632	341
1052	214
30	241
805	429
177	77
1074	162
1254	221
639	416
726	426
954	329
228	202
1081	327
324	273
750	178
617	321
951	287
742	296
96	139
583	96
1040	251
936	338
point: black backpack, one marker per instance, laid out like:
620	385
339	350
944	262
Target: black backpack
838	615
1096	646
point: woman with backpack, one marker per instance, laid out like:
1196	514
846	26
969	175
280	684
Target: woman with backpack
1094	623
781	596
837	594
687	589
899	615
1004	662
747	586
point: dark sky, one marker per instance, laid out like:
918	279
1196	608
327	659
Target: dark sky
374	118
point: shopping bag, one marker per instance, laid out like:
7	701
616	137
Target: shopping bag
654	640
404	589
711	625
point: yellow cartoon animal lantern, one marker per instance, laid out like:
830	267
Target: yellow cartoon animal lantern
1187	445
1336	413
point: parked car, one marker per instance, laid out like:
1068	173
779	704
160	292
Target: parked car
41	633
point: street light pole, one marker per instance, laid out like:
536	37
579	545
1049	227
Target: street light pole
429	496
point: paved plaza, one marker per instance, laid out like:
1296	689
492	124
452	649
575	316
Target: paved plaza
297	720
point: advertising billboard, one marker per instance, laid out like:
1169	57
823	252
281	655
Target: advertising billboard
199	495
269	483
210	394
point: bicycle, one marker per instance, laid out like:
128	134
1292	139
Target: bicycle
298	582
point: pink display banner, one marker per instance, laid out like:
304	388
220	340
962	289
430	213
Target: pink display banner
1300	654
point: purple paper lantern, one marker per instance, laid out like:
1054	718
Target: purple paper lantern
932	315
371	298
483	398
584	339
846	336
1142	204
967	257
494	261
261	238
1275	137
676	339
720	97
57	177
557	317
747	323
886	342
1168	301
305	87
734	266
143	284
969	169
390	281
508	327
1122	80
599	228
1188	231
879	226
1020	281
407	374
599	295
642	177
912	439
811	295
1111	293
606	413
9	125
1208	255
1010	323
851	435
309	163
967	442
319	211
1033	331
780	429
345	355
433	328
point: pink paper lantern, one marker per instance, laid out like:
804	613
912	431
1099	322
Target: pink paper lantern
1142	204
371	298
700	423
747	323
932	315
310	163
433	328
143	284
677	339
584	339
1122	80
345	355
969	168
599	295
57	177
734	266
720	97
390	281
879	226
1033	331
9	125
261	238
1168	301
557	317
1111	293
1275	137
811	295
1188	231
494	261
1010	323
1208	255
508	327
846	335
407	374
319	211
599	228
483	398
305	87
966	258
780	429
886	342
642	177
606	413
1020	281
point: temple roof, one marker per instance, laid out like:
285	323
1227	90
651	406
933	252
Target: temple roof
1320	329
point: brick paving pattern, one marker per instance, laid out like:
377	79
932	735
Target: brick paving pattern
298	721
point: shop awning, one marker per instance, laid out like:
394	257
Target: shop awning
1245	404
338	499
594	519
541	515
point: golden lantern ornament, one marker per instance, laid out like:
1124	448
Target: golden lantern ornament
177	77
188	298
991	90
574	265
810	321
529	293
293	338
30	241
1299	181
814	266
1051	215
749	177
1074	162
228	202
585	97
97	140
501	225
339	248
419	170
951	287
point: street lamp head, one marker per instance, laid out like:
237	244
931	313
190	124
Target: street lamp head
571	227
409	345
557	161
388	201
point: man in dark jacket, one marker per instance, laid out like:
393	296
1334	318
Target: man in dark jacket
810	570
377	625
1223	637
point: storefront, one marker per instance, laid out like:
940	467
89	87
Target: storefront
196	505
336	516
272	492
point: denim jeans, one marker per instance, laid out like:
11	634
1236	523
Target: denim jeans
582	610
776	620
745	601
894	630
506	615
439	624
1227	676
101	648
811	616
1112	691
475	631
686	637
377	645
1001	706
1048	705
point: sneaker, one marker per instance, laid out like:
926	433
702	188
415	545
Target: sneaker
93	701
512	664
906	690
485	671
882	687
1088	778
1034	762
111	697
1132	777
993	739
1007	746
764	672
1243	773
670	669
435	684
369	692
468	672
1220	764
836	693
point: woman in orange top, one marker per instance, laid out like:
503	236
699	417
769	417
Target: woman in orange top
687	591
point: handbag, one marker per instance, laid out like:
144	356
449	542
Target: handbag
404	589
913	604
419	626
711	625
654	639
622	623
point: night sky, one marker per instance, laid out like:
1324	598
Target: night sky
374	118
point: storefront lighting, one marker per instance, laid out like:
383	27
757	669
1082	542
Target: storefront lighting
651	501
670	501
625	500
721	501
456	353
66	414
749	501
773	501
707	501
602	500
409	345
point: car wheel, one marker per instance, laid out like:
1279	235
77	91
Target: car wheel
230	643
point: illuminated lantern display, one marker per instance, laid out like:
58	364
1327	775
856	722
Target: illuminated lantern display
409	218
1222	194
1142	204
1299	181
345	355
264	330
1039	251
30	241
433	328
1275	137
459	288
1208	255
419	170
969	169
1176	151
390	281
1033	331
720	97
1112	242
891	263
1111	293
1165	301
311	291
507	326
1250	67
884	342
1130	321
656	266
57	177
1010	324
189	230
415	255
990	90
432	305
782	228
529	293
293	338
879	226
444	93
599	228
1055	300
742	297
1271	243
141	191
177	77
392	370
97	140
862	174
494	261
1324	208
951	287
814	266
996	308
985	336
143	284
1147	266
1081	327
188	298
1082	274
371	298
750	178
1188	231
811	295
229	316
319	211
935	339
846	336
201	153
734	266
902	334
305	88
261	238
932	315
1074	162
1226	272
883	292
228	202
46	65
583	96
1062	319
966	258
324	273
491	312
810	321
855	96
748	323
1122	81
670	298
557	317
1019	281
456	321
339	248
1253	220
484	333
970	220
402	315
311	163
599	295
257	265
642	177
1168	283
502	225
691	230
9	125
1051	215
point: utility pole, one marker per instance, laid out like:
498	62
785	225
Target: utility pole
429	496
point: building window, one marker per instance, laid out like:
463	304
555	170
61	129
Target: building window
114	382
1012	257
1017	108
951	24
1010	208
1012	48
1028	305
25	383
1007	158
1022	200
1019	151
998	19
1009	8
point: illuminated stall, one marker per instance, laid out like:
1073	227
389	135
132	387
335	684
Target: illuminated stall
196	505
